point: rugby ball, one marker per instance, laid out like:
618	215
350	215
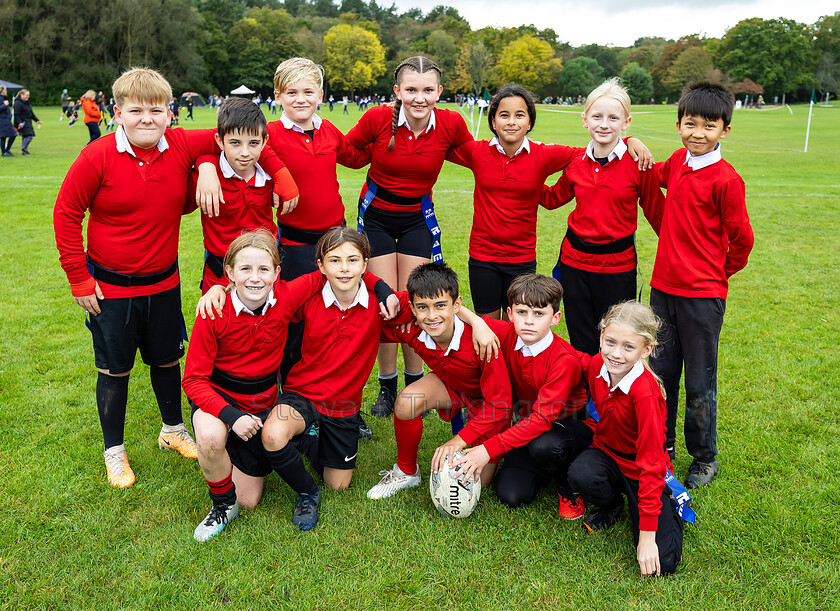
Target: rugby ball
453	497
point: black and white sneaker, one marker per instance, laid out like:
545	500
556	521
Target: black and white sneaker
384	404
219	517
364	430
700	473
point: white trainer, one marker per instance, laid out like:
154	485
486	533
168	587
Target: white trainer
215	522
392	482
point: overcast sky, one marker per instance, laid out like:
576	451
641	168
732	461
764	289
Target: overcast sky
621	22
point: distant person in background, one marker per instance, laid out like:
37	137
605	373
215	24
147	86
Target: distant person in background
92	114
24	117
65	102
7	130
190	108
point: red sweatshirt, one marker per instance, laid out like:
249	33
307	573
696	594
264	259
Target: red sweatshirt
507	194
549	387
704	233
486	384
631	429
412	167
605	208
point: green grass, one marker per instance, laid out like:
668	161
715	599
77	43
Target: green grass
767	535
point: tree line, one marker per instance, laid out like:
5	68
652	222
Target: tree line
212	46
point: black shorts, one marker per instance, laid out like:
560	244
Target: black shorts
338	438
152	323
247	456
489	283
401	232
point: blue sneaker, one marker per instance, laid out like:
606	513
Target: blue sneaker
216	520
305	516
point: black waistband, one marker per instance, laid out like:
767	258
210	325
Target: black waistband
301	236
624	455
109	276
215	263
243	386
606	248
392	198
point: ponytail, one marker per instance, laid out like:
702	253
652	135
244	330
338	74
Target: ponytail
395	119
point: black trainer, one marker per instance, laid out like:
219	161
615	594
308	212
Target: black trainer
700	473
364	430
384	404
599	519
305	516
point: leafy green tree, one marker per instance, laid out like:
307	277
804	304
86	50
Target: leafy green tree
669	55
472	68
638	82
607	57
258	42
778	53
580	76
693	64
529	62
441	48
354	57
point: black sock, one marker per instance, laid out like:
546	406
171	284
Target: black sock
111	399
289	465
411	378
389	384
166	382
308	446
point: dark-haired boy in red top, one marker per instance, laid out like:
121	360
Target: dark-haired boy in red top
704	237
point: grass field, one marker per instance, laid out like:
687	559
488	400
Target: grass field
767	535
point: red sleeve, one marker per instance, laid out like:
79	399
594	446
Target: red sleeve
651	198
200	142
192	183
497	407
363	132
75	196
558	195
293	294
349	156
462	154
558	157
199	365
284	185
736	223
650	458
551	404
458	133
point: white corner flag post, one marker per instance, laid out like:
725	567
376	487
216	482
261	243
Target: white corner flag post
808	130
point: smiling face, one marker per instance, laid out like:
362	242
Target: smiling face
606	120
242	150
253	275
621	349
532	324
699	135
300	100
343	267
418	93
436	316
144	123
511	121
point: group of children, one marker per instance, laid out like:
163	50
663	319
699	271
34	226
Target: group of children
589	416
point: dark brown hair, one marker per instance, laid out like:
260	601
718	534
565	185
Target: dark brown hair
418	64
535	291
512	91
337	236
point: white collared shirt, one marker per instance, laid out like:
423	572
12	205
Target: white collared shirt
239	307
618	151
703	161
260	177
525	146
454	343
535	348
289	124
330	298
124	146
403	120
627	381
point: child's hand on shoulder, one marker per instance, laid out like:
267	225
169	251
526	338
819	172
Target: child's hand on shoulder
390	308
213	299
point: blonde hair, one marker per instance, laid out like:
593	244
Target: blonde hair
642	321
261	239
296	69
141	85
420	65
90	94
611	88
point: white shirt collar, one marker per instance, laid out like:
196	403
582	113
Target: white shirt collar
454	343
289	124
536	348
239	307
403	120
330	298
260	177
703	161
124	146
525	146
618	151
627	381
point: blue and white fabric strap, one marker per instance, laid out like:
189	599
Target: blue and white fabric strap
681	495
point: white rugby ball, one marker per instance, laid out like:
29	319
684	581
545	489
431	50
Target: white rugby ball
456	498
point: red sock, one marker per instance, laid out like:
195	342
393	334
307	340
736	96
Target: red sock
408	434
223	490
